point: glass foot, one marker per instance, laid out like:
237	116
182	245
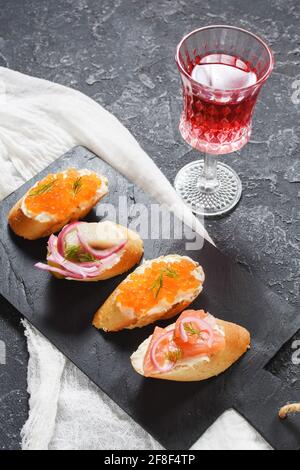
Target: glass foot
209	204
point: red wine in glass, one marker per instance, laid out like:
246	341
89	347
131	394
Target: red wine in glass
215	126
222	70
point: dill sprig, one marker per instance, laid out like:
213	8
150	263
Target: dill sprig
74	253
159	281
157	285
174	356
43	189
171	273
77	185
188	327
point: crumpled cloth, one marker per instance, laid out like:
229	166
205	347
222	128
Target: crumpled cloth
39	121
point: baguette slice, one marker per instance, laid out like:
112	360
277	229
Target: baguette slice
237	342
104	235
55	201
115	316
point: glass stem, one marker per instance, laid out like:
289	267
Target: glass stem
208	181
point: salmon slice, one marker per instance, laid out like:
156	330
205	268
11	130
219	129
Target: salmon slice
167	352
197	343
167	347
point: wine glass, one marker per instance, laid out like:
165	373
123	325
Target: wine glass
222	70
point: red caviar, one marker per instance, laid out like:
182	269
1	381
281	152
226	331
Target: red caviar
161	280
59	194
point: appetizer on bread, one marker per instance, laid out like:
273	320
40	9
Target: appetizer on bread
55	201
92	251
196	347
157	290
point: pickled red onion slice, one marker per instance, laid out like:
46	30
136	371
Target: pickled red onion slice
62	235
99	254
210	319
70	269
69	265
54	269
73	270
169	365
202	325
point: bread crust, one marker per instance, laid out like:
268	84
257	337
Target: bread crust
31	229
111	318
131	255
237	343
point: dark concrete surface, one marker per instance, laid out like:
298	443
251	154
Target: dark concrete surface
121	53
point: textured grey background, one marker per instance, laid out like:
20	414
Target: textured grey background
121	53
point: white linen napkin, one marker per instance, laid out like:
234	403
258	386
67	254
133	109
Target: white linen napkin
39	121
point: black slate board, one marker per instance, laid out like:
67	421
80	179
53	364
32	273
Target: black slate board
176	414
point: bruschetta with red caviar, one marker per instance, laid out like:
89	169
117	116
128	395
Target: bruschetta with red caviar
196	347
158	289
92	251
55	201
